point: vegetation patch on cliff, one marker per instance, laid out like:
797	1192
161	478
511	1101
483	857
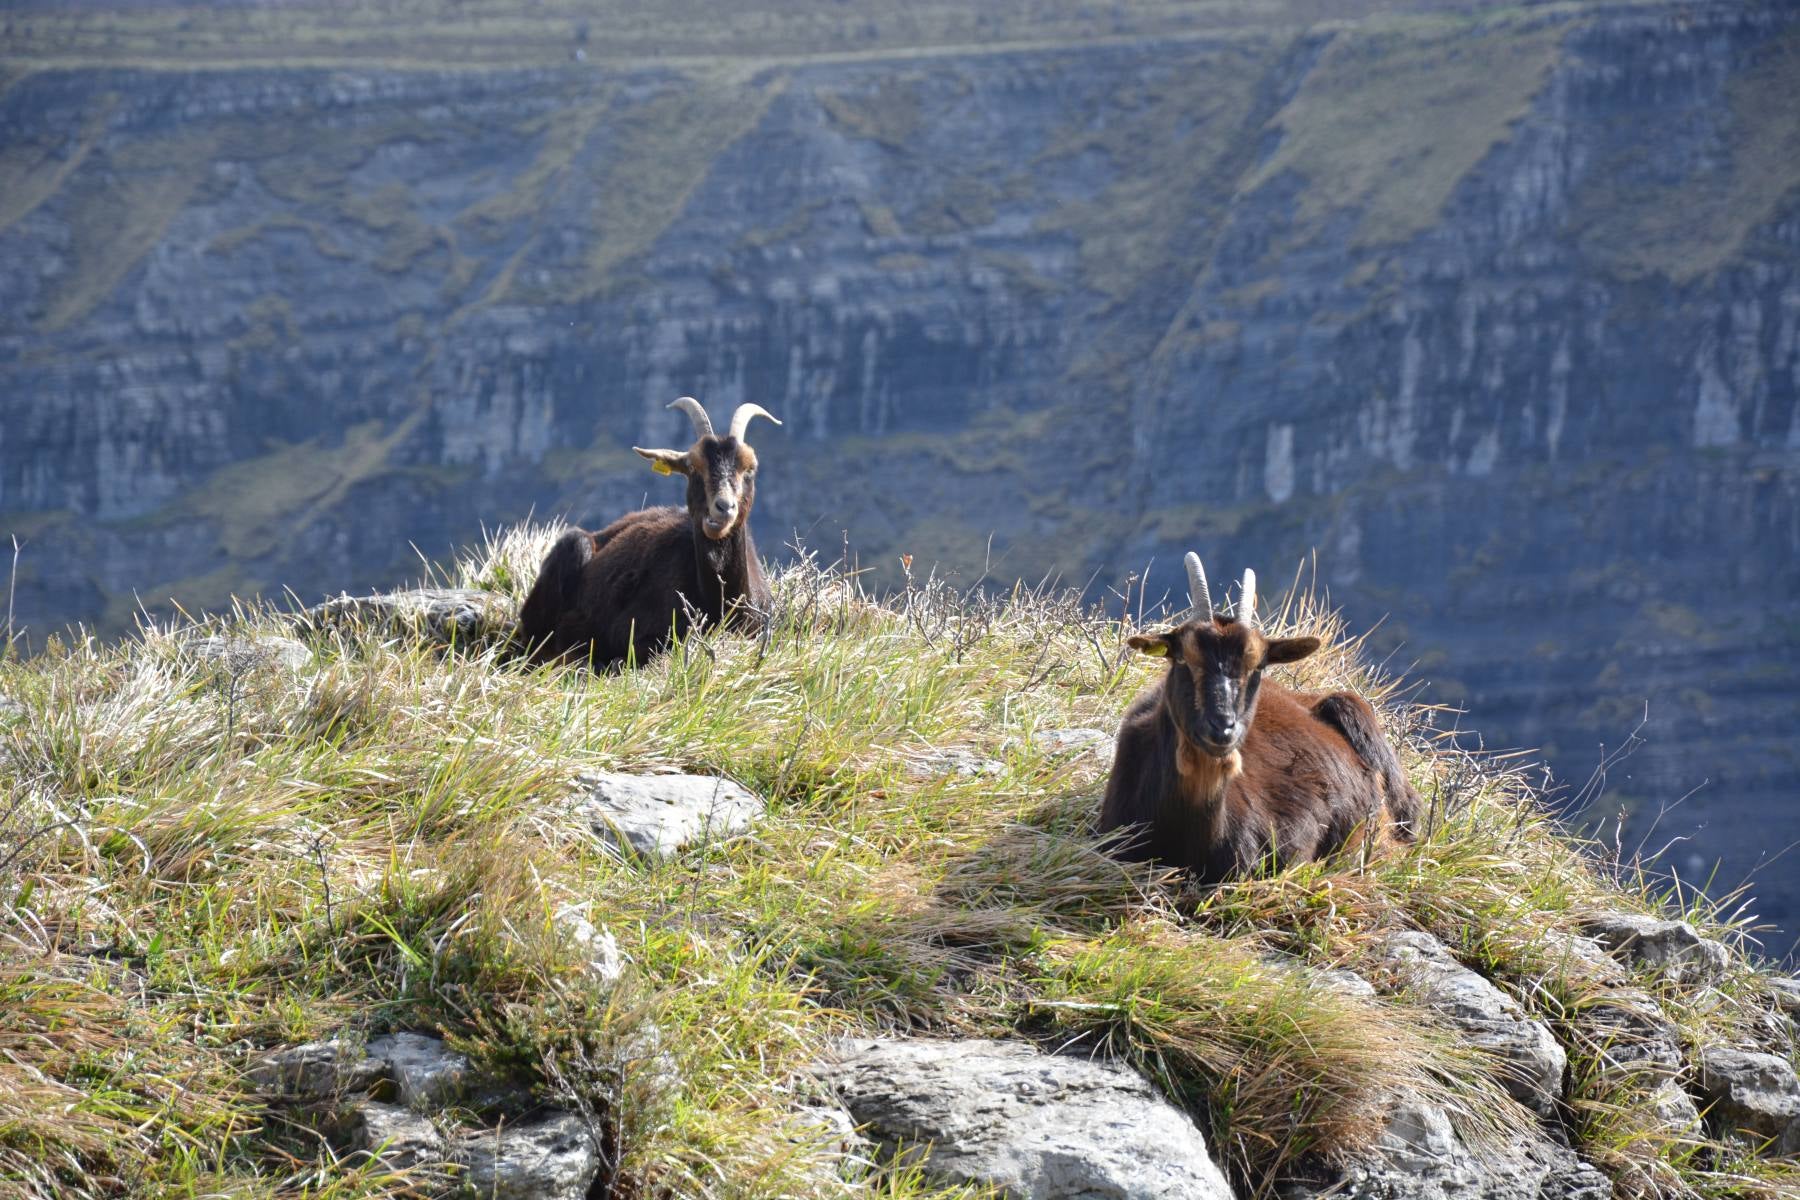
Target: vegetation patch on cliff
1391	120
1685	209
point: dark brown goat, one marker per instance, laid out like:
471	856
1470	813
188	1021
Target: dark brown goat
619	594
1219	772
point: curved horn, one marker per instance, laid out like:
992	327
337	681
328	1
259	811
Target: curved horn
746	413
1246	605
702	423
1197	593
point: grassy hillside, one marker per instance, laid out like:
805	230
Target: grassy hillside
200	860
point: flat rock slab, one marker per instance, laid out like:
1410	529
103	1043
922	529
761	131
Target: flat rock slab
1531	1060
1674	948
1039	1126
1751	1097
440	616
547	1158
241	654
1074	741
1420	1156
657	815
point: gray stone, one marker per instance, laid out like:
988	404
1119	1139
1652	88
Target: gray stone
1673	1109
1786	994
1626	1033
396	1138
1636	1058
1344	983
954	762
248	653
1039	1126
1775	1030
1531	1062
1420	1156
553	1157
654	815
1674	948
1573	956
427	1073
316	1071
441	616
11	710
1074	741
1340	980
1750	1097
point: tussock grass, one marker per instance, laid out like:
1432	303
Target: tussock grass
205	860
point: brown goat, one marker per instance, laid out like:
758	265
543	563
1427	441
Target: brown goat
1219	773
620	594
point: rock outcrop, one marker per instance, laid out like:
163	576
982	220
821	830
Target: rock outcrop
1421	1157
1752	1097
1672	948
395	1138
316	1071
426	1073
1529	1062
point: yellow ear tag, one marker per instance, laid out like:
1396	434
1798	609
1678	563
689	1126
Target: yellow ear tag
1157	650
661	467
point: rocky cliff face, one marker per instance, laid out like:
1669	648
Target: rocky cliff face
1501	315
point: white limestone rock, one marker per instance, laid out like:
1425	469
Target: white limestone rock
657	815
1531	1062
1039	1126
552	1157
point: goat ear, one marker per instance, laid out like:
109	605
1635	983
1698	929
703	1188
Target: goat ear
1287	650
665	462
1151	644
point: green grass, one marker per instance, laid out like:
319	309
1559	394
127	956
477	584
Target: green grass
1389	122
202	863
